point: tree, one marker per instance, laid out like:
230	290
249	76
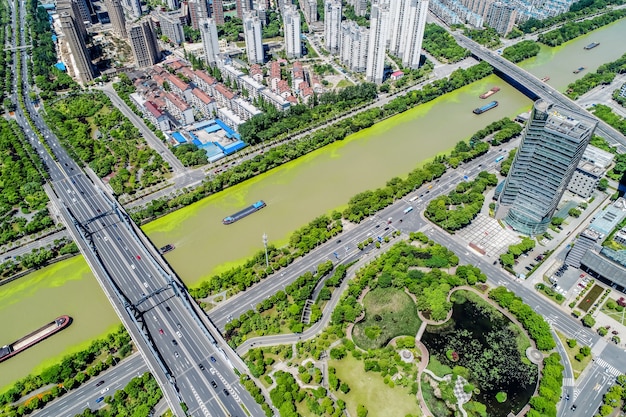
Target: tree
574	212
589	321
556	221
361	411
603	184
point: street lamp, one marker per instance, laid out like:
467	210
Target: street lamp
267	261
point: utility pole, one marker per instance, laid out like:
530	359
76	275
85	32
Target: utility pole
267	260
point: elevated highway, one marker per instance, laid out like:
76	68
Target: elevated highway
534	88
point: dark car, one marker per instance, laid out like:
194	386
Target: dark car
174	342
100	383
226	393
574	407
213	384
213	359
201	367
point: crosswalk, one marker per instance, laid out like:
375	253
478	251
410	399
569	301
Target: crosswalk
568	382
608	368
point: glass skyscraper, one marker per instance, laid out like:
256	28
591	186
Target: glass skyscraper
552	144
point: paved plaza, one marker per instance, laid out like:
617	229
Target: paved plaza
486	234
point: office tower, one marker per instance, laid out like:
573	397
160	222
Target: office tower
254	42
144	44
80	58
243	7
501	17
208	31
171	27
217	11
291	23
552	144
379	29
116	14
332	25
198	10
134	6
71	7
354	44
309	8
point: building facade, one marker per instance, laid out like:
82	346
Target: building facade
379	30
198	10
417	11
171	27
354	44
253	36
501	17
291	28
217	11
71	7
83	70
116	14
144	44
208	32
309	8
552	145
332	25
243	7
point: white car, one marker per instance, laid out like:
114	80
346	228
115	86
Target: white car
104	390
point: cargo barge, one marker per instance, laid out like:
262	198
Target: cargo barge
33	338
245	212
167	248
489	93
486	107
576	71
591	45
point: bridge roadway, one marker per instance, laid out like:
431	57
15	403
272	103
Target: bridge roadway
535	88
182	349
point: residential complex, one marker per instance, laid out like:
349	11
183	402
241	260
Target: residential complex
332	25
291	29
552	145
208	32
116	15
379	31
198	10
501	17
253	35
217	11
354	44
309	8
81	63
172	27
144	44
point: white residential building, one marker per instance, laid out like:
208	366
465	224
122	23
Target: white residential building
254	42
171	27
208	32
379	29
291	24
332	25
354	44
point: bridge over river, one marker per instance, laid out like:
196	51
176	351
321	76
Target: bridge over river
535	88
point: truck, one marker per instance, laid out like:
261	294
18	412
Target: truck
500	158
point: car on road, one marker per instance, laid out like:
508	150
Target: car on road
104	390
573	407
201	367
226	393
213	384
176	354
160	331
100	383
213	359
99	400
174	342
138	257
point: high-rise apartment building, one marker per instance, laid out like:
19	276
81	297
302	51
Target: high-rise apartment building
332	25
217	11
408	21
354	44
171	27
83	8
501	17
379	31
254	41
173	4
208	32
134	7
291	25
144	44
72	8
116	14
309	8
360	7
81	63
198	10
553	143
243	7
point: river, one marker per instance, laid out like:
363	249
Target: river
295	194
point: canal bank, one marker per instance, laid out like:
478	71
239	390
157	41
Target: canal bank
353	165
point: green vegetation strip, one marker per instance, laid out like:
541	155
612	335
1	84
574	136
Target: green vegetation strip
521	51
440	44
604	75
571	30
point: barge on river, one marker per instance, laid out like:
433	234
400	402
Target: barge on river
33	338
486	107
245	212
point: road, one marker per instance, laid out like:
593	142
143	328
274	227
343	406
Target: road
114	379
183	352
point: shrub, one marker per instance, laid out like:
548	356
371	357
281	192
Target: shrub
571	343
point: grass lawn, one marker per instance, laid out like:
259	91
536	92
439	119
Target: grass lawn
438	368
618	316
577	367
590	298
343	83
368	388
389	312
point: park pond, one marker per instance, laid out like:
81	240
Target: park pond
481	339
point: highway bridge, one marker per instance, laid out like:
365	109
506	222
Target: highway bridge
182	349
534	88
